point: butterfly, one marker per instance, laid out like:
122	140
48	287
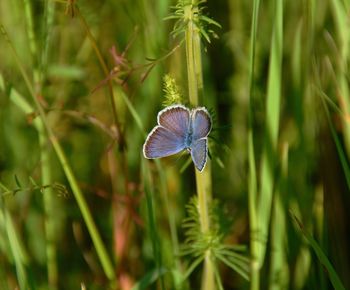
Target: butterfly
178	129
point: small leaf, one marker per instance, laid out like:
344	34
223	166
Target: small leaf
234	266
3	187
172	17
32	181
210	21
149	279
205	35
193	266
17	181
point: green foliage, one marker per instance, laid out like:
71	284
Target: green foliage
171	92
60	189
197	243
192	12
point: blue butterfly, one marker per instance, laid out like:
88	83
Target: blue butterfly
180	128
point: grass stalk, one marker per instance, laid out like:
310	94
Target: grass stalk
48	196
31	36
190	56
341	19
19	256
252	178
253	215
49	206
279	279
319	252
195	89
14	242
156	245
83	206
271	131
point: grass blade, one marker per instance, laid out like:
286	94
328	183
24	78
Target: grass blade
333	276
271	130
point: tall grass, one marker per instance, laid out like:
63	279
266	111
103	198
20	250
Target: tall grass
80	88
195	94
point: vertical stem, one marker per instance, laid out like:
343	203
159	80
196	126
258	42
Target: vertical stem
203	184
31	36
15	245
195	89
48	198
191	73
252	179
252	196
156	245
279	272
268	159
49	205
341	20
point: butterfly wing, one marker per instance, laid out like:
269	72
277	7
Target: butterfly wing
161	143
176	119
199	153
201	123
169	136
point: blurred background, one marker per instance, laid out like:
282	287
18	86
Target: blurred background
97	68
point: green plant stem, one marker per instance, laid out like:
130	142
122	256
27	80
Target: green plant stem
49	205
14	242
46	176
190	57
322	257
278	276
91	226
268	160
19	255
156	244
31	36
203	179
252	178
253	215
48	197
341	19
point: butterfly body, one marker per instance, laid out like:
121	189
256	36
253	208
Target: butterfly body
178	129
188	138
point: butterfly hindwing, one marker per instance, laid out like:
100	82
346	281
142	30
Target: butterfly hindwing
161	143
201	123
199	152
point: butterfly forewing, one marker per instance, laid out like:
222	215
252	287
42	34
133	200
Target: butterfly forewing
201	123
161	143
176	119
199	152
